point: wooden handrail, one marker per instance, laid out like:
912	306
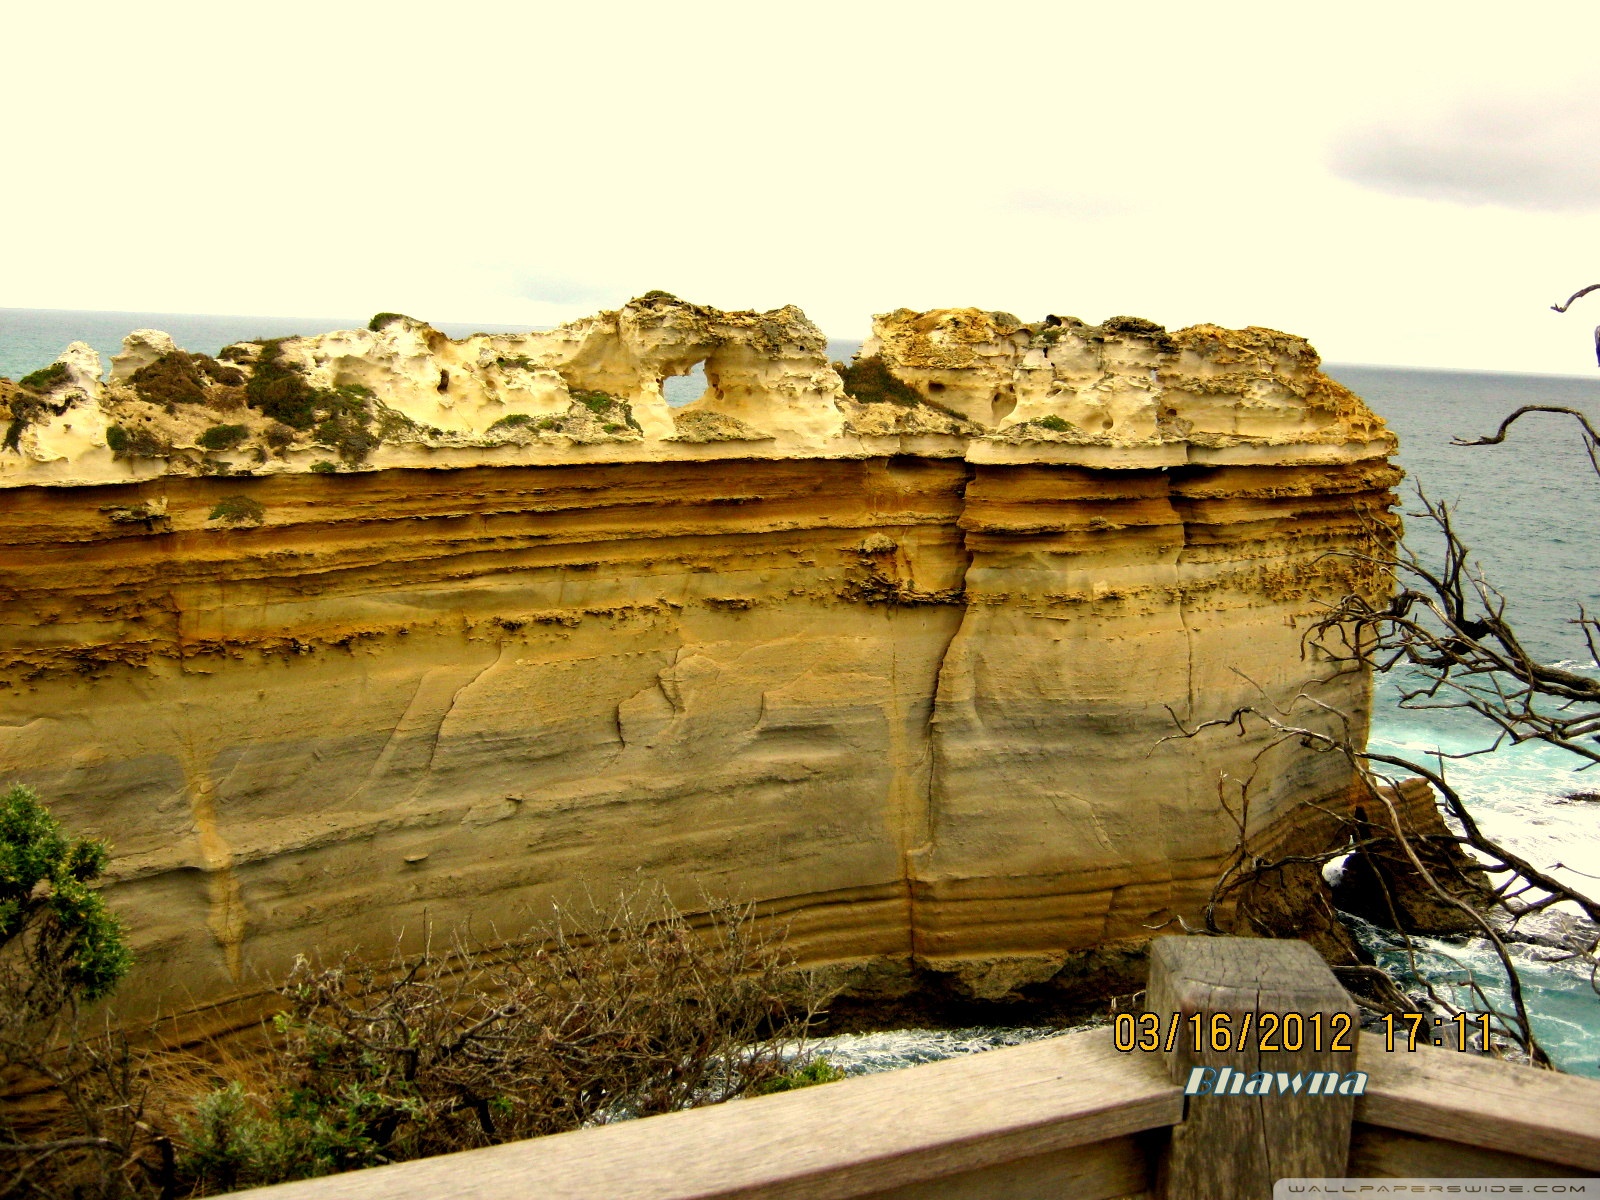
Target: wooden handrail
1477	1101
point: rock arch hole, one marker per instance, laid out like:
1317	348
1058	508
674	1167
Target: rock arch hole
679	390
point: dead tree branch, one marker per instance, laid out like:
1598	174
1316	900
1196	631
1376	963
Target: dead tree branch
1577	295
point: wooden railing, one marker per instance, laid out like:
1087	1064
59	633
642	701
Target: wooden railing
1070	1117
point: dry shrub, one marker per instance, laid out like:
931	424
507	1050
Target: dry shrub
553	1031
600	1015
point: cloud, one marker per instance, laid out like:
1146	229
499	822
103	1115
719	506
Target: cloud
1535	154
557	289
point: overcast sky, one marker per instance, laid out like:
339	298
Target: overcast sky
1405	183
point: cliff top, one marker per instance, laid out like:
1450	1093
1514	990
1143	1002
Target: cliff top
945	383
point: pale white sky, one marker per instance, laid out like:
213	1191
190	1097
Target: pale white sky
1407	183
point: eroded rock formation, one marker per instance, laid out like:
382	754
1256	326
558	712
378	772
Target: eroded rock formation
456	628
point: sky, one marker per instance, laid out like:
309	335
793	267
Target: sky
1409	184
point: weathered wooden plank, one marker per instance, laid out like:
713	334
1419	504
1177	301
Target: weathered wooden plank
847	1139
1236	1146
1388	1153
1480	1102
1118	1169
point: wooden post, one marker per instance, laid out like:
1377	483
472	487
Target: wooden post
1234	1146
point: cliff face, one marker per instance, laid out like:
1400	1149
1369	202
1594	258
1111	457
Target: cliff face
482	624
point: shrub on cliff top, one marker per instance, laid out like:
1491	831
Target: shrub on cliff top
341	416
1139	327
44	378
135	443
178	377
870	381
381	320
223	437
279	391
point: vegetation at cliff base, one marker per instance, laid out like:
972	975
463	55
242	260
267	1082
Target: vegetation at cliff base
818	1070
55	931
597	1015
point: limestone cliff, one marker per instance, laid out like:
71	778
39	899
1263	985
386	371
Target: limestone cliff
458	627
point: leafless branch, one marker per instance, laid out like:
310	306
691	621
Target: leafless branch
1577	295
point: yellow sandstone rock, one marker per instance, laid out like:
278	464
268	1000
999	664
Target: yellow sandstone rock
896	665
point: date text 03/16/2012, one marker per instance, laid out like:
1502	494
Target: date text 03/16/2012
1292	1031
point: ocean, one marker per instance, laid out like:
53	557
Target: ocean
1529	510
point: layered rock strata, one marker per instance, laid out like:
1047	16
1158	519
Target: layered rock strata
446	630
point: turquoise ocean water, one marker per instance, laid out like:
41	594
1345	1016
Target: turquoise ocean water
1529	509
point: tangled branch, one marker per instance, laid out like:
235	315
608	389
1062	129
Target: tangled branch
1435	860
1450	625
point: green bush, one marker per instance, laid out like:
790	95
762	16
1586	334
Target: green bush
280	392
341	416
24	411
238	510
173	379
65	932
818	1070
222	437
135	443
323	467
383	319
870	381
235	1140
349	435
45	378
1054	423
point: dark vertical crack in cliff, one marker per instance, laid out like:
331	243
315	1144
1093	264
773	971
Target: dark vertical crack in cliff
915	856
